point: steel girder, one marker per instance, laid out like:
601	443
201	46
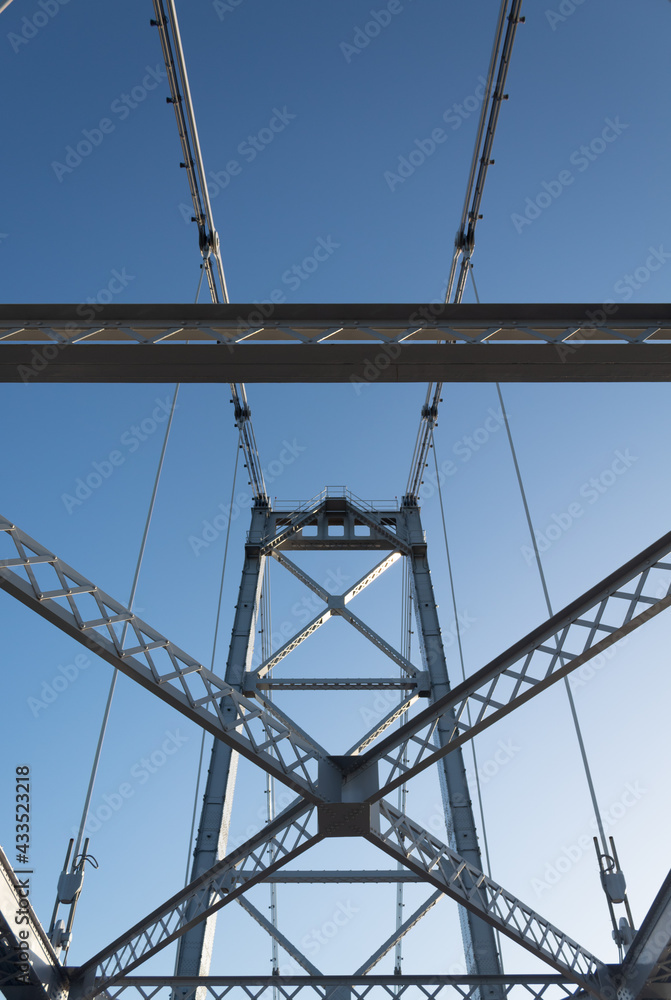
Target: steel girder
362	987
329	343
29	968
80	609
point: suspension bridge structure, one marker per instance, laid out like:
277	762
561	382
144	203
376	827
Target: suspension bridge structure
360	794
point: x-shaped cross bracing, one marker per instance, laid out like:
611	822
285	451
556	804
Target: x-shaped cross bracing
616	606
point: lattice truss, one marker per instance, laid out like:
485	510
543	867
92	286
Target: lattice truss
335	795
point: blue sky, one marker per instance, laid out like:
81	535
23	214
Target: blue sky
598	81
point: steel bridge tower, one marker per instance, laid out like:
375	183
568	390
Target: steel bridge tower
337	796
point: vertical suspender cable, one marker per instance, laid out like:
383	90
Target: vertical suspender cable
548	603
541	573
112	688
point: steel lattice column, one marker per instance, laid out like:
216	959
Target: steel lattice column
479	942
195	947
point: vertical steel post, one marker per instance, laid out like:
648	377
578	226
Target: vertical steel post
480	949
194	952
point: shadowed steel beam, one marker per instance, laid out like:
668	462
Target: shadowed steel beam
646	970
29	969
335	343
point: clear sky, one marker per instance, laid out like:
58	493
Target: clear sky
586	126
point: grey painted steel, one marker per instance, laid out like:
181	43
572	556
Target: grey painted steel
646	970
620	603
194	952
372	875
418	987
398	934
283	941
335	343
146	656
40	976
415	848
480	949
289	835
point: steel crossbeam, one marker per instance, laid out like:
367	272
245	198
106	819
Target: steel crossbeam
175	677
421	852
286	837
332	343
418	987
617	605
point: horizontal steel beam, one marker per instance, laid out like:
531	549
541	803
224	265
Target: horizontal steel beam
335	343
340	363
374	875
